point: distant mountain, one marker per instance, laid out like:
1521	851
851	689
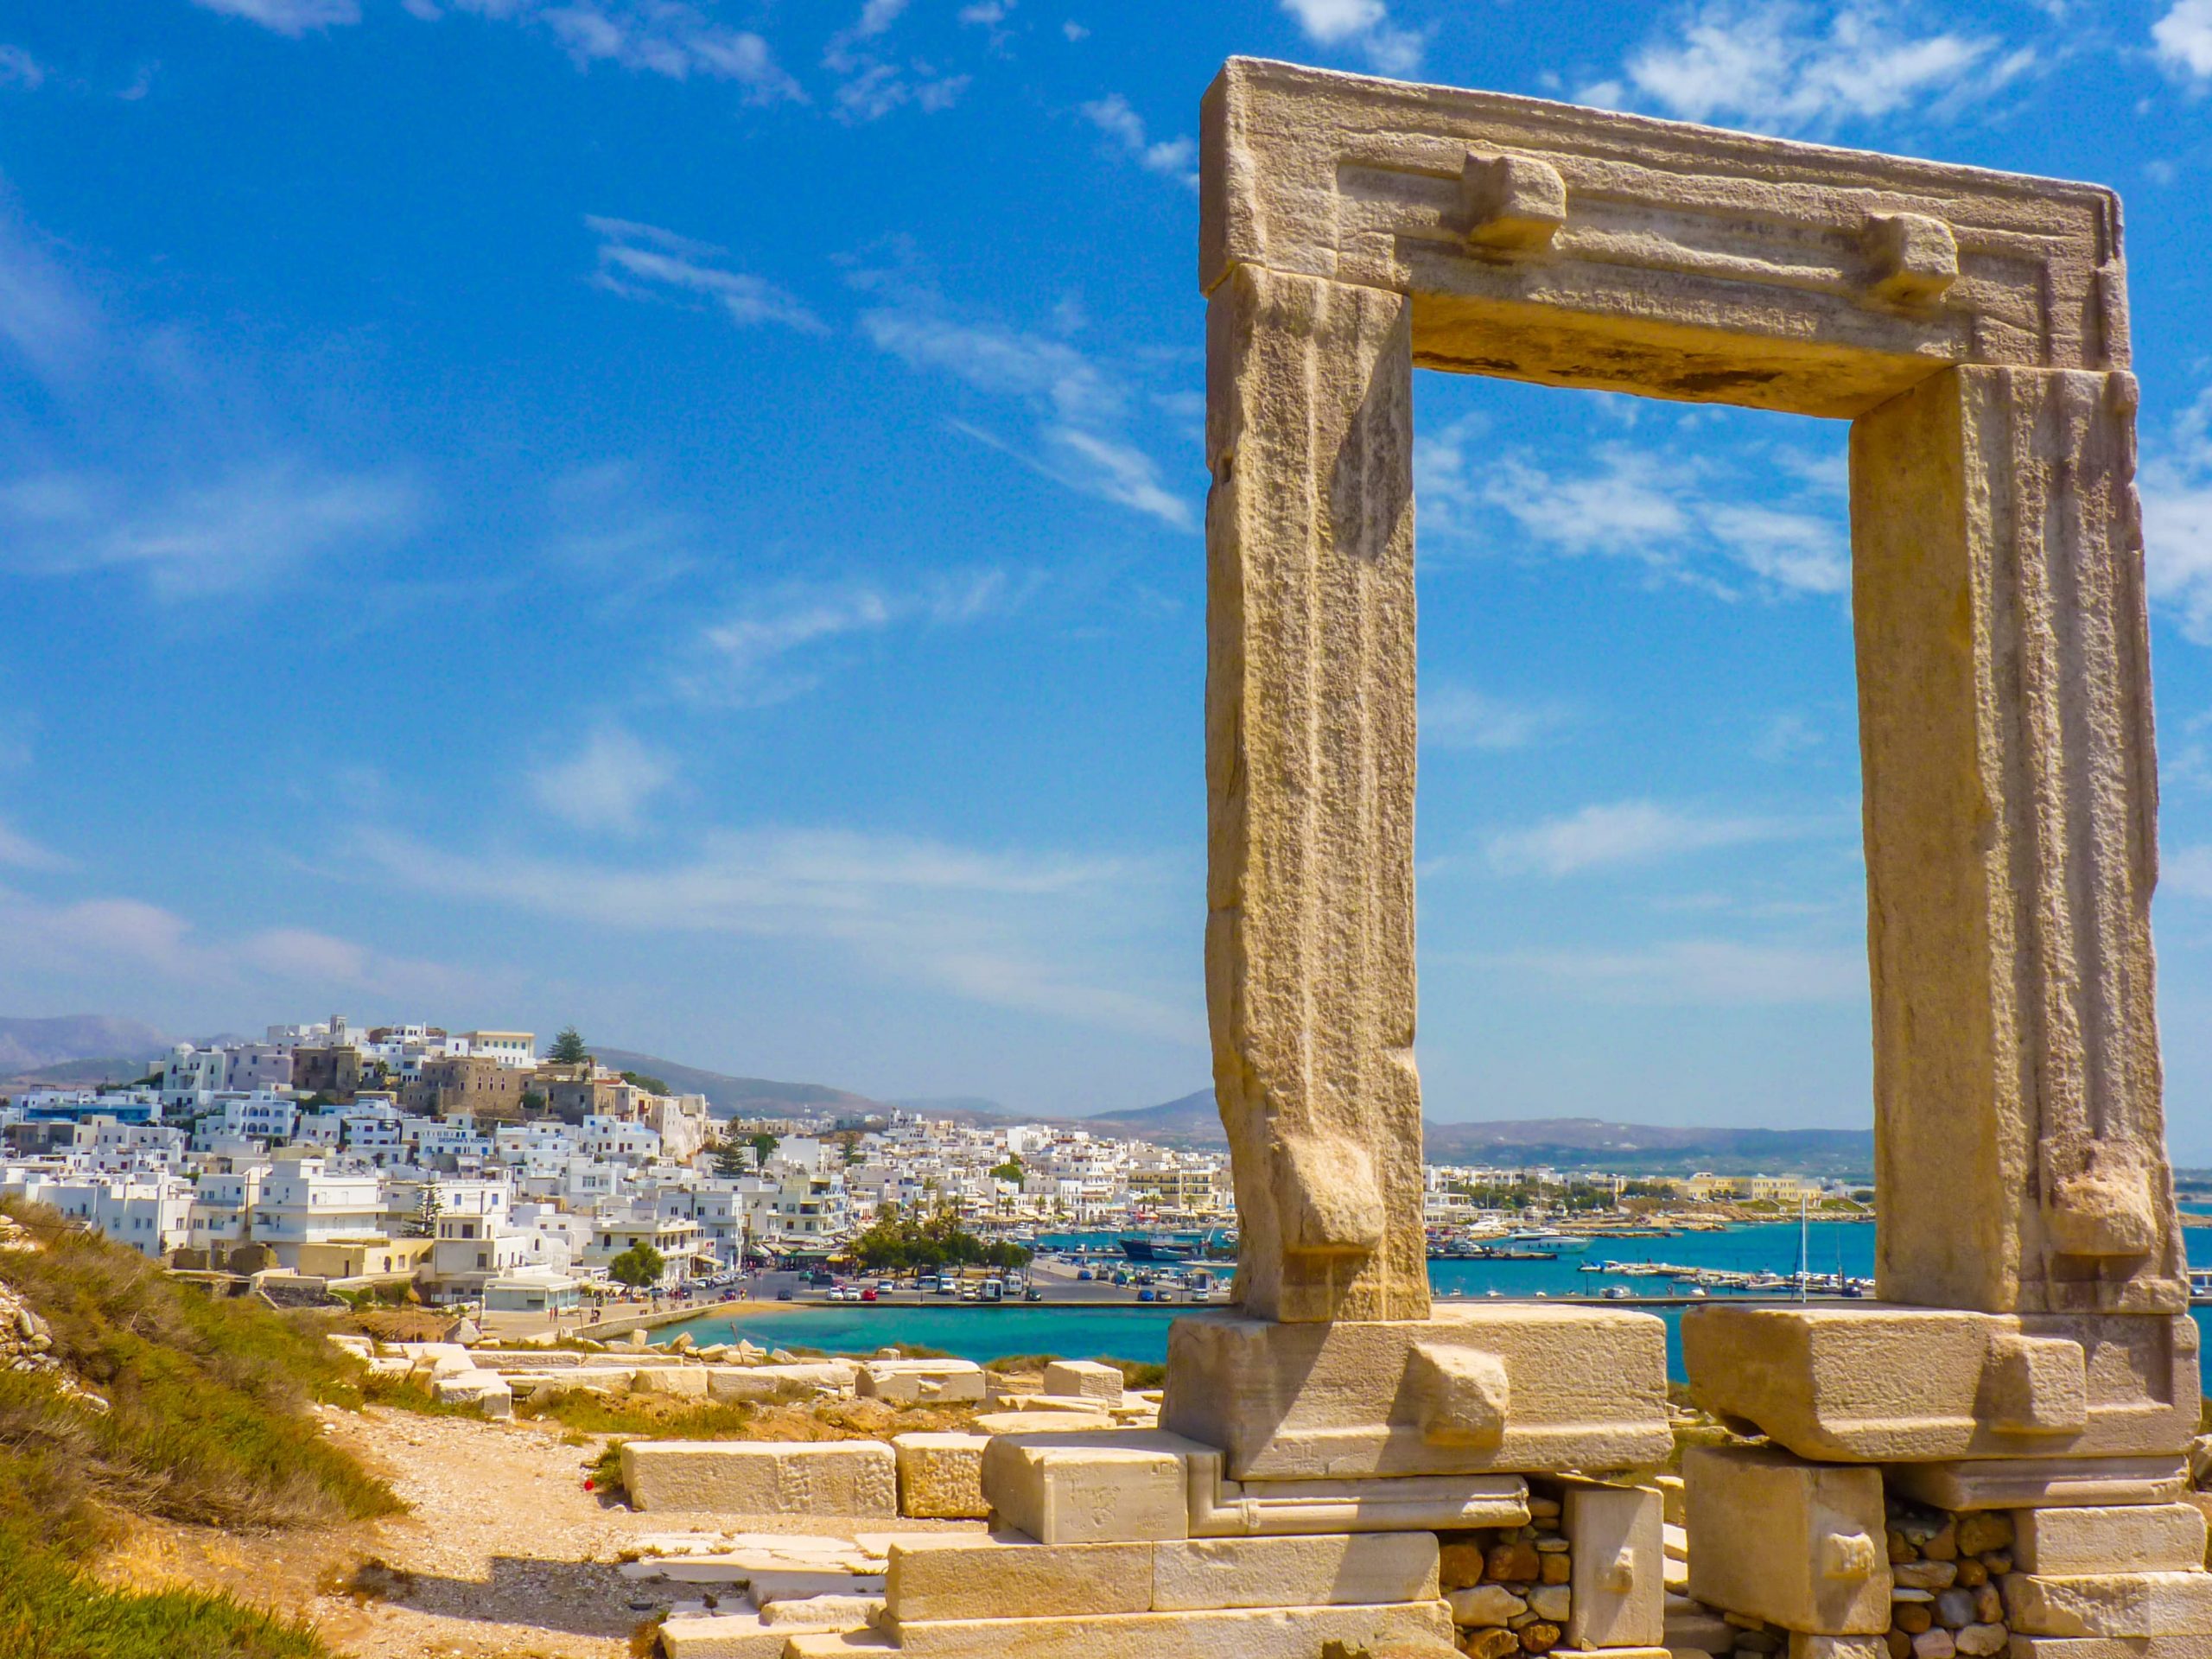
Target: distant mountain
731	1096
1566	1142
28	1045
1190	1121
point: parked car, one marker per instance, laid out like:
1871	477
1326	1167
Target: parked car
869	1294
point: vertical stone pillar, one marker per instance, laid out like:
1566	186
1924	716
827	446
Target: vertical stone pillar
1310	759
2010	808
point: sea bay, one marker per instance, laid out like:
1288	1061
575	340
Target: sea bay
1135	1332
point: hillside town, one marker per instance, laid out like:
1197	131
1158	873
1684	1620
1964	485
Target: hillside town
469	1167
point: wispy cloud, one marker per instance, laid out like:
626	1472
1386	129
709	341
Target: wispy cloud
292	17
245	530
46	320
772	647
1667	511
1173	158
657	37
2182	40
1622	834
871	86
1364	26
2188	870
105	941
2177	486
19	69
1461	717
1008	929
1703	972
1792	67
1785	736
1081	410
644	262
605	786
22	852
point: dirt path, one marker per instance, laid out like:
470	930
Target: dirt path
503	1552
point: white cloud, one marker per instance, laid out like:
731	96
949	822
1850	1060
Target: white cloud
1621	834
44	318
292	17
107	942
606	785
2183	39
1081	410
985	12
1789	66
658	37
21	852
646	262
1006	929
2189	871
1363	25
244	531
873	87
1786	735
1173	158
2177	489
768	650
19	68
1663	510
1705	972
1461	717
1074	31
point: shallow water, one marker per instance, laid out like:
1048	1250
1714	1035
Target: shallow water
979	1331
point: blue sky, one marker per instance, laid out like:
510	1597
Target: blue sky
685	516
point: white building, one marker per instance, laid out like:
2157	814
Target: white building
152	1216
301	1201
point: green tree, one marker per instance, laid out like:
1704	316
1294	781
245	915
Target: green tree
1009	1171
764	1146
899	1242
638	1267
532	1102
729	1158
652	1085
569	1047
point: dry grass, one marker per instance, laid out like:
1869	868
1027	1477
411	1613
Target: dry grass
206	1423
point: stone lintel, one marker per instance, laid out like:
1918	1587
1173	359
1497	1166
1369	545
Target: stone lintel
1873	1384
1469	1390
1575	247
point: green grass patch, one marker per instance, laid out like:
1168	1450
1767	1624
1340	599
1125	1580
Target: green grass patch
206	1422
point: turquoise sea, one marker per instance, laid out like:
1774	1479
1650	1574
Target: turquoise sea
1123	1332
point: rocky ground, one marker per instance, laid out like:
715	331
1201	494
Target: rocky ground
503	1551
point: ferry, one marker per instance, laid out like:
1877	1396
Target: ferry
1163	1248
1548	1239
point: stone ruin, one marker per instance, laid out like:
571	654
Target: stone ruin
1990	1458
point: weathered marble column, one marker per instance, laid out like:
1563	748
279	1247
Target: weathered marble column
1310	759
2011	819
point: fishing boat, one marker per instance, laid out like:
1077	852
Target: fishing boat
1548	1239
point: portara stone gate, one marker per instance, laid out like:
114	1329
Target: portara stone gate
1992	1457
